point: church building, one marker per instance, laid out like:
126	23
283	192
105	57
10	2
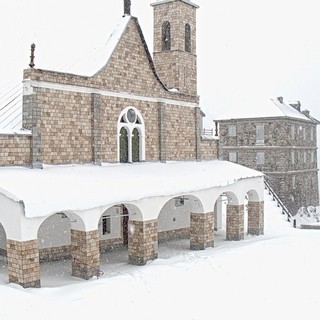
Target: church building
116	159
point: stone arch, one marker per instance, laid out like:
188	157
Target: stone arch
131	136
54	237
166	36
55	240
229	214
174	217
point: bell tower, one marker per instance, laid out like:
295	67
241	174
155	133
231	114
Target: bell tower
174	47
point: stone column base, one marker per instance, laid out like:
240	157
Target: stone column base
235	222
255	218
143	241
85	253
23	263
201	230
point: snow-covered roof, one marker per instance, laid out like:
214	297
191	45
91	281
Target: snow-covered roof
261	109
80	187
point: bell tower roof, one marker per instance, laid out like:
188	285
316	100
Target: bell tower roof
166	1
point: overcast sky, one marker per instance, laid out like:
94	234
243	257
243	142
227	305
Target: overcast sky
248	50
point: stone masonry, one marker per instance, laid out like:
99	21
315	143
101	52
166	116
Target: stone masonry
23	263
85	253
255	218
235	222
201	230
143	241
287	154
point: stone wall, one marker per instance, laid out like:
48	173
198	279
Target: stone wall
209	149
15	149
289	149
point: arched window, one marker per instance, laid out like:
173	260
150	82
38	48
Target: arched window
124	156
187	38
131	136
135	145
166	36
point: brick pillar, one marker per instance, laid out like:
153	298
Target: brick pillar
23	263
255	218
143	241
85	254
235	222
201	230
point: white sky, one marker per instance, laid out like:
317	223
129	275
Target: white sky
248	50
274	276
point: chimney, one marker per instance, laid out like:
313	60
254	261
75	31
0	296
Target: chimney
280	99
306	113
296	105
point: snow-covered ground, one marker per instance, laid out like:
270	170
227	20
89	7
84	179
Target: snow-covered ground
275	276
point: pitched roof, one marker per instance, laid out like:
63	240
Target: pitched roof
272	108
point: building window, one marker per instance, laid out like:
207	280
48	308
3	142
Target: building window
311	134
293	182
131	136
305	156
232	131
293	132
106	224
304	134
166	36
312	156
292	157
187	38
260	158
260	133
233	156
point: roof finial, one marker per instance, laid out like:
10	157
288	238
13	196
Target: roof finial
127	7
31	64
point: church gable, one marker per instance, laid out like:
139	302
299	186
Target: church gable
130	67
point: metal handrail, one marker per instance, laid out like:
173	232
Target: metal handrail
279	202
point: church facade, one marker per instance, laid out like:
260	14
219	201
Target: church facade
136	112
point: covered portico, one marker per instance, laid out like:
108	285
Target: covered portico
85	193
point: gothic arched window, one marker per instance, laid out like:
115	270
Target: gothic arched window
124	145
166	36
187	37
131	136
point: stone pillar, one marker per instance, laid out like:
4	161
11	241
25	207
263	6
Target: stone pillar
198	118
162	132
235	222
255	218
23	263
143	241
201	230
96	128
85	254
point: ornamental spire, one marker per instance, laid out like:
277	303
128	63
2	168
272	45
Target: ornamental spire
127	7
31	64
